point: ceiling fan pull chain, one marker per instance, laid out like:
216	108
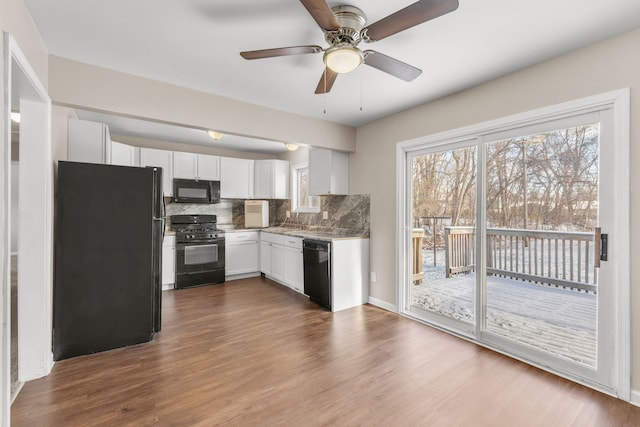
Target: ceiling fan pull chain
324	96
361	85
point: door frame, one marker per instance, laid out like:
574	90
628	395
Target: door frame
24	89
618	102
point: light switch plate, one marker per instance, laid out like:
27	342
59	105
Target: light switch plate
325	215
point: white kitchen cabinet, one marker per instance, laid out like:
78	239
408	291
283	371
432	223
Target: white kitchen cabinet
196	166
163	159
185	165
293	264
236	178
241	254
168	262
88	142
265	257
208	167
271	260
349	273
277	263
281	259
328	172
124	155
271	179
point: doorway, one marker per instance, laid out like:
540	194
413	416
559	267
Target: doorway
32	225
523	264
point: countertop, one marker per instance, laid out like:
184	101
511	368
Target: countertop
308	233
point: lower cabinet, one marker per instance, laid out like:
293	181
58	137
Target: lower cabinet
349	273
281	259
241	254
277	262
293	265
168	262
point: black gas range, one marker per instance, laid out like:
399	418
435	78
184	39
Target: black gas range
200	250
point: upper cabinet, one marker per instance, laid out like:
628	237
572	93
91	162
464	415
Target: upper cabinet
163	159
124	155
88	142
196	166
236	178
328	172
271	179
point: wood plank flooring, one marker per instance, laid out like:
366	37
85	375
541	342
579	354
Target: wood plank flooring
254	353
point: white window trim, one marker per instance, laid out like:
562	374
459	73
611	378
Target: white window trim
294	190
619	103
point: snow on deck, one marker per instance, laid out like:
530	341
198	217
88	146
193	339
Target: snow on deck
559	321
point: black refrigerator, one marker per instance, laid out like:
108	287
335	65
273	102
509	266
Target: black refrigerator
108	257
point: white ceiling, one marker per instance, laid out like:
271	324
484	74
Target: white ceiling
196	44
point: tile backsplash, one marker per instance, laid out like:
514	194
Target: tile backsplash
344	212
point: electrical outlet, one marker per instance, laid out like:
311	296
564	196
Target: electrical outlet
374	277
288	214
325	215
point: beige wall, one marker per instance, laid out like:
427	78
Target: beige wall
76	84
15	19
609	65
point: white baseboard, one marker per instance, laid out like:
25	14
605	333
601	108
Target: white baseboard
168	287
383	304
635	397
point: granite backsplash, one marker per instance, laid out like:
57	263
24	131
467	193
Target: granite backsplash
344	212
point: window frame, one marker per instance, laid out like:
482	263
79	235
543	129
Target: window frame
617	105
295	196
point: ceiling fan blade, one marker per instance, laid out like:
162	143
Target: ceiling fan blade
326	81
323	15
412	15
391	66
280	51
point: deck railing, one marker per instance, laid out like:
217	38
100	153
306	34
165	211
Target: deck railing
556	258
416	238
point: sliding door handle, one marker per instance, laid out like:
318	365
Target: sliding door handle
601	244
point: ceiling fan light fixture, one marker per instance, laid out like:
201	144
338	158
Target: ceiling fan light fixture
216	136
343	58
291	147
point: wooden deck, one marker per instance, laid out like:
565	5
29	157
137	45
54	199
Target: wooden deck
557	320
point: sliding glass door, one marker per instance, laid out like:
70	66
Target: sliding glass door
506	241
443	189
541	215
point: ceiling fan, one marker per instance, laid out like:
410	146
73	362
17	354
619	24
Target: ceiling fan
344	28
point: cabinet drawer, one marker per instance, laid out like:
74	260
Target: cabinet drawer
272	238
240	237
292	242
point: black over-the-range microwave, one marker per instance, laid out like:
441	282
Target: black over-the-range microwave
196	191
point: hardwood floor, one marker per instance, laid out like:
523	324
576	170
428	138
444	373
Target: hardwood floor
252	352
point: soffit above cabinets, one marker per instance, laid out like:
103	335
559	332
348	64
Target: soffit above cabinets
146	129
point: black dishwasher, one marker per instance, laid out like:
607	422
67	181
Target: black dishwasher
317	271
